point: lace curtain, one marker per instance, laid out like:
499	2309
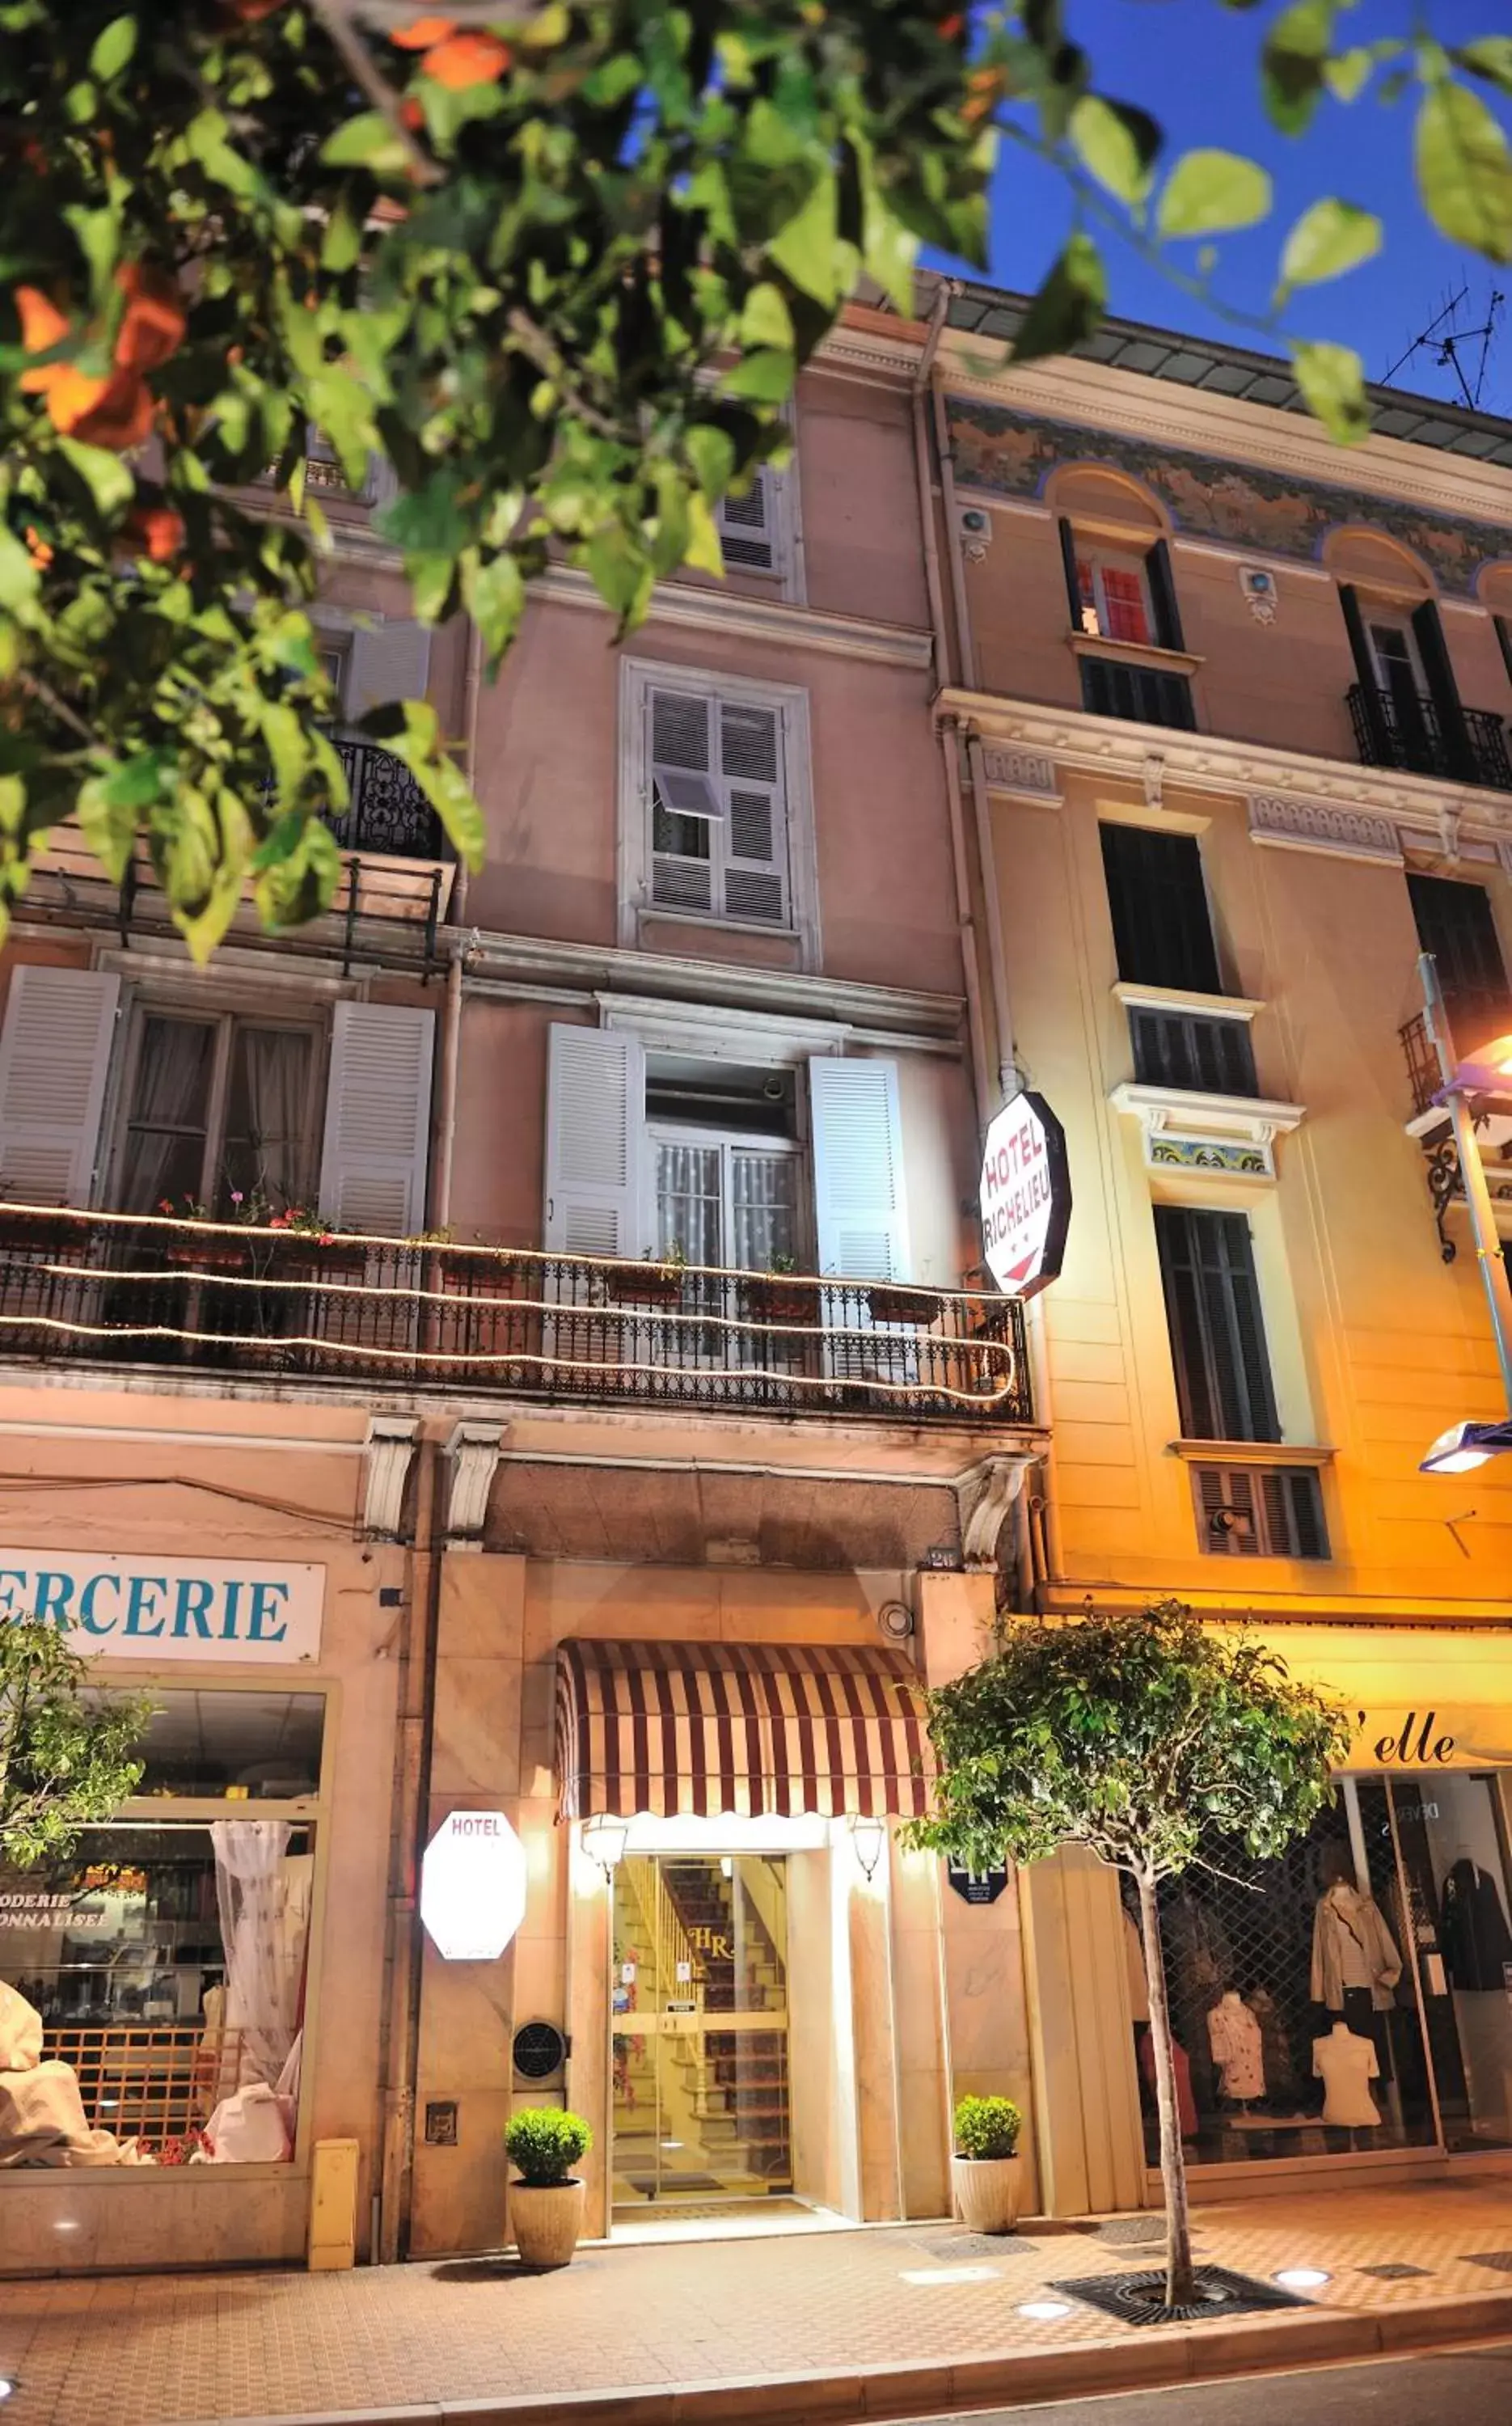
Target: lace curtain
264	1953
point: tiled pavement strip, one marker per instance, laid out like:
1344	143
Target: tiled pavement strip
145	2349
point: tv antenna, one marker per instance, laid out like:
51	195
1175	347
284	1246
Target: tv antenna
1452	347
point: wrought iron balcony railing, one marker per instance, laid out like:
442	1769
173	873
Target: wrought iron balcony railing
1405	732
408	1313
1141	694
388	812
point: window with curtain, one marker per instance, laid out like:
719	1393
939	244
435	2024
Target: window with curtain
1217	1329
725	1162
217	1109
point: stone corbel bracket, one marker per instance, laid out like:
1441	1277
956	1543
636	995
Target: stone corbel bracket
984	1495
472	1461
389	1449
1231	1134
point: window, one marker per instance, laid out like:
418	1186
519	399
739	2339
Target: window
164	1960
1455	923
1162	928
750	524
1114	592
217	1111
714	823
725	1163
1269	1512
1218	1332
1398	668
1176	1048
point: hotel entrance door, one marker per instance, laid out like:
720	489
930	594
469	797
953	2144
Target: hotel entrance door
700	2027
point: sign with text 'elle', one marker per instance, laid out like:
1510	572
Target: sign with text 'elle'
131	1608
1025	1195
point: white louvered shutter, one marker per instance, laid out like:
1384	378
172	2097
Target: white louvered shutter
54	1056
677	735
378	1119
861	1212
755	832
390	660
595	1119
747	526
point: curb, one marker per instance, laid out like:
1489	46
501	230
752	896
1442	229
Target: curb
1152	2357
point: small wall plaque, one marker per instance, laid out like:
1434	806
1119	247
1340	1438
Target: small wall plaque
441	2122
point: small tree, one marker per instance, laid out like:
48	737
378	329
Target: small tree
1143	1737
65	1748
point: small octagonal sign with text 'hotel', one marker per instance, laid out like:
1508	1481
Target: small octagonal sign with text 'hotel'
473	1887
1025	1195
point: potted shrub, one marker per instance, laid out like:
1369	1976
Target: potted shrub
778	1295
915	1307
647	1282
984	2170
546	2203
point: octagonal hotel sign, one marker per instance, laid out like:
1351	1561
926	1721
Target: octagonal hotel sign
473	1887
1027	1195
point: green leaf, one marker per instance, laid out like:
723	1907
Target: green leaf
1464	170
1489	58
1347	76
1069	306
806	247
1292	63
766	320
20	579
113	48
111	482
1209	192
712	453
1332	380
1118	143
365	141
704	550
766	377
1328	240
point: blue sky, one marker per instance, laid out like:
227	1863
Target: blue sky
1192	63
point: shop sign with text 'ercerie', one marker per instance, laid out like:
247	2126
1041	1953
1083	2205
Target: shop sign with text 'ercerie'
1025	1195
131	1608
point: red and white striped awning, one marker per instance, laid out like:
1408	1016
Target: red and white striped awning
760	1729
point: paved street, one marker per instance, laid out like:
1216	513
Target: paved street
149	2348
1464	2388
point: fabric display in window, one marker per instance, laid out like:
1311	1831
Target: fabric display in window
1234	2037
42	2121
1185	2102
1277	2060
1352	1947
263	1938
1347	2065
1477	1942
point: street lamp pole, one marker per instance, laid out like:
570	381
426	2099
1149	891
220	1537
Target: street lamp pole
1472	1171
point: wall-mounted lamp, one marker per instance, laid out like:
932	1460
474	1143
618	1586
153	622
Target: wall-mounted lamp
868	1834
605	1839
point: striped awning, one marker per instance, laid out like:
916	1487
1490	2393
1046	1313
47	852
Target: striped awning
755	1729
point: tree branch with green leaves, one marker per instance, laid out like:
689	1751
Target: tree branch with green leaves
66	1749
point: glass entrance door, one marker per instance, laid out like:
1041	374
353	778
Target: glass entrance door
1454	1900
700	2027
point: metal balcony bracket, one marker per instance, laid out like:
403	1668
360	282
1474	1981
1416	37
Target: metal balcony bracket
473	1455
985	1497
390	1449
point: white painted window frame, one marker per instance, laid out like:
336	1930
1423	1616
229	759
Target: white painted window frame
638	677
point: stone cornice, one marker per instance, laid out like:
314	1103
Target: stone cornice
1210	762
1096	396
771	621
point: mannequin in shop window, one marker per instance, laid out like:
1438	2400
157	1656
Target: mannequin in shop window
1234	2042
1356	1965
1347	2064
1477	1942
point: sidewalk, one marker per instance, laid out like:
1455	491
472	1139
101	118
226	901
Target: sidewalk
146	2350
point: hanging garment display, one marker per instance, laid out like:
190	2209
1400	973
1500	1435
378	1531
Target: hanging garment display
1477	1942
1352	1947
1185	2102
1233	2035
1277	2060
1347	2065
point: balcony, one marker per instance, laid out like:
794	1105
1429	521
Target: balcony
1139	694
388	813
206	1298
1431	1126
1402	729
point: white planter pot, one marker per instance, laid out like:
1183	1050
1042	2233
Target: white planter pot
987	2192
546	2222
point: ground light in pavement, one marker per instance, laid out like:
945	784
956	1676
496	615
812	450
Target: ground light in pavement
1044	2311
1301	2278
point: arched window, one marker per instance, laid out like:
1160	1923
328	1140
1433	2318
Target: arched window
1117	570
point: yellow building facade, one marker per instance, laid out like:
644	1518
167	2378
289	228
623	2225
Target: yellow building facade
1224	709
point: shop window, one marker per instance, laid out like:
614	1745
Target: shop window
1350	1996
1217	1330
159	1972
1158	901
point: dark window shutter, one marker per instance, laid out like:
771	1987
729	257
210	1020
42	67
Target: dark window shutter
1503	636
1443	691
1074	586
1163	596
1161	927
1454	923
1366	675
1216	1330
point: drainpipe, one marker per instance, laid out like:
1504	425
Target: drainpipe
925	479
964	643
441	1177
996	948
472	692
964	919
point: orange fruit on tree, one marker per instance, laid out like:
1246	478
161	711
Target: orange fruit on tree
467	60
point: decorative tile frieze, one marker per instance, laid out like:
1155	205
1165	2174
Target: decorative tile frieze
1166	1152
1230	1136
1021	770
1291	824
